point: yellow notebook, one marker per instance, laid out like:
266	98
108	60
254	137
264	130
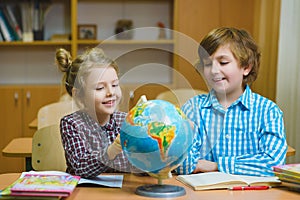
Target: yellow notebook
220	180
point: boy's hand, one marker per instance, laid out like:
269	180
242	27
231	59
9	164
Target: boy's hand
206	166
114	149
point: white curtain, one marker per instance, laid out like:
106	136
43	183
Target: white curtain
288	74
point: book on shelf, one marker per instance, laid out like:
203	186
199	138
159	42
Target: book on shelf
10	14
1	37
5	28
26	16
220	180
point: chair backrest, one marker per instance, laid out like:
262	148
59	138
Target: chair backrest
179	96
47	149
52	113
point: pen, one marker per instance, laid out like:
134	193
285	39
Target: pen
249	188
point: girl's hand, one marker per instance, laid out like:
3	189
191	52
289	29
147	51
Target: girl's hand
114	149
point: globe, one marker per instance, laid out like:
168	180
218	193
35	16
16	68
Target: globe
156	136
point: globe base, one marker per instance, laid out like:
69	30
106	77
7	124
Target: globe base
160	191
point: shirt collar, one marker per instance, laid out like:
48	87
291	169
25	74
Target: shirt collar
244	100
211	100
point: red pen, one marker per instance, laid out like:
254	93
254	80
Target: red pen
265	187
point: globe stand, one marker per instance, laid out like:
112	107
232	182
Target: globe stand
160	190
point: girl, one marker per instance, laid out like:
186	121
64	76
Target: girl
90	136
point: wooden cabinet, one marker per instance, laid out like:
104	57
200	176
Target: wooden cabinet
195	18
19	106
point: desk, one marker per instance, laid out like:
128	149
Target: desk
131	182
20	147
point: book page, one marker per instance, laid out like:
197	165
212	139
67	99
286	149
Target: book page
255	180
216	180
209	178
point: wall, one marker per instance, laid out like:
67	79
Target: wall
288	92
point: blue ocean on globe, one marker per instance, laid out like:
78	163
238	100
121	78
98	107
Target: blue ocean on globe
156	136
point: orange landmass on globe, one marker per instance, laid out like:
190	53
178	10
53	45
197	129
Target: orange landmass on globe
163	134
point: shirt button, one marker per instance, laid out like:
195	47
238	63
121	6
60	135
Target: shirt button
227	136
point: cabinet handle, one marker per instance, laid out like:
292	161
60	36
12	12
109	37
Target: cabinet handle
28	96
131	94
16	97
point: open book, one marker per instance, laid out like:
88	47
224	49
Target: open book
54	184
42	185
220	180
100	180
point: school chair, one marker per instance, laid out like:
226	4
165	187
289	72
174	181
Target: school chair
179	96
52	113
290	151
47	150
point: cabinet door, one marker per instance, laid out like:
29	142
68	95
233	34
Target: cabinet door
10	123
34	97
196	18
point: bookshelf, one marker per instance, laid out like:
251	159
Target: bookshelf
33	62
63	17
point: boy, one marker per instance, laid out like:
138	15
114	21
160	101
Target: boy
236	131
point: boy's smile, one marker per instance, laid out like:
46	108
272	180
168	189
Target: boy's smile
225	75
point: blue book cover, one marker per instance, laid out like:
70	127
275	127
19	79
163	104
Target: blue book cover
6	30
15	27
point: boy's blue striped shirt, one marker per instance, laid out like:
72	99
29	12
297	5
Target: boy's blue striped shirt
248	138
